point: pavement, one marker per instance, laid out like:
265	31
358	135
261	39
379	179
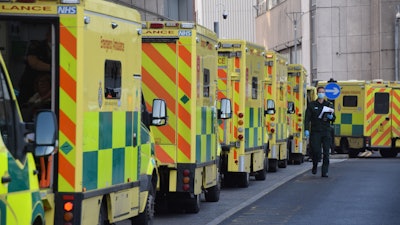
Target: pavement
234	199
273	181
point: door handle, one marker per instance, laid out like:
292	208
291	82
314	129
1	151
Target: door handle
5	179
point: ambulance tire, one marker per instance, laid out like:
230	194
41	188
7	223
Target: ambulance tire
272	165
353	153
388	153
282	163
147	216
193	204
228	180
344	146
262	174
296	158
212	194
103	219
243	179
38	221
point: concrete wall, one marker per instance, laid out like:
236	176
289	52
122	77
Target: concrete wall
239	24
354	39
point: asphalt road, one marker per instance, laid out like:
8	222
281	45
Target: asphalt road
234	199
362	191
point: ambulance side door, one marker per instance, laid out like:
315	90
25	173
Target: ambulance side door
9	170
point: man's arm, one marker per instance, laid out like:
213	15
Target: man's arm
37	64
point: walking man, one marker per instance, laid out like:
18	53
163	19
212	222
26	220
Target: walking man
320	114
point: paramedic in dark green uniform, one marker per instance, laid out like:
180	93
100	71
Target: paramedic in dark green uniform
320	130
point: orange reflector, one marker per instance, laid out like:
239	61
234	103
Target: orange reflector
272	118
68	206
186	180
240	122
68	216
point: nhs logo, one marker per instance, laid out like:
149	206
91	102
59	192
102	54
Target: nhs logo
185	33
66	10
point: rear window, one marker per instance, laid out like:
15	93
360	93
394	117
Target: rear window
381	103
350	101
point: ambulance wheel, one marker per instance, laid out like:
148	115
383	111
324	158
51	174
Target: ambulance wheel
262	174
272	165
282	163
147	216
388	153
243	179
212	193
193	204
344	146
103	219
38	221
353	153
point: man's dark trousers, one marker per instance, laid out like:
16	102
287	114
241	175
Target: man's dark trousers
318	138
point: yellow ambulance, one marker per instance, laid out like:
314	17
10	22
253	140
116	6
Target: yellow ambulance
93	159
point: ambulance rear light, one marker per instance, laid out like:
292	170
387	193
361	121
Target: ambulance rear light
186	180
240	137
68	206
269	56
171	24
297	67
187	25
68	197
240	115
186	173
272	130
70	1
156	25
68	212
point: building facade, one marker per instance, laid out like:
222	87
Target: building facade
340	39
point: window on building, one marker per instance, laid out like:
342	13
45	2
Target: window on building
112	79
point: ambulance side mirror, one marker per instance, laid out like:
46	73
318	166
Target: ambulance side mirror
225	112
159	115
290	108
269	107
45	133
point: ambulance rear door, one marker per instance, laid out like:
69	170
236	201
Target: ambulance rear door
379	116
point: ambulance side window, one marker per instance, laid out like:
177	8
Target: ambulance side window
206	83
112	79
6	115
254	87
381	103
